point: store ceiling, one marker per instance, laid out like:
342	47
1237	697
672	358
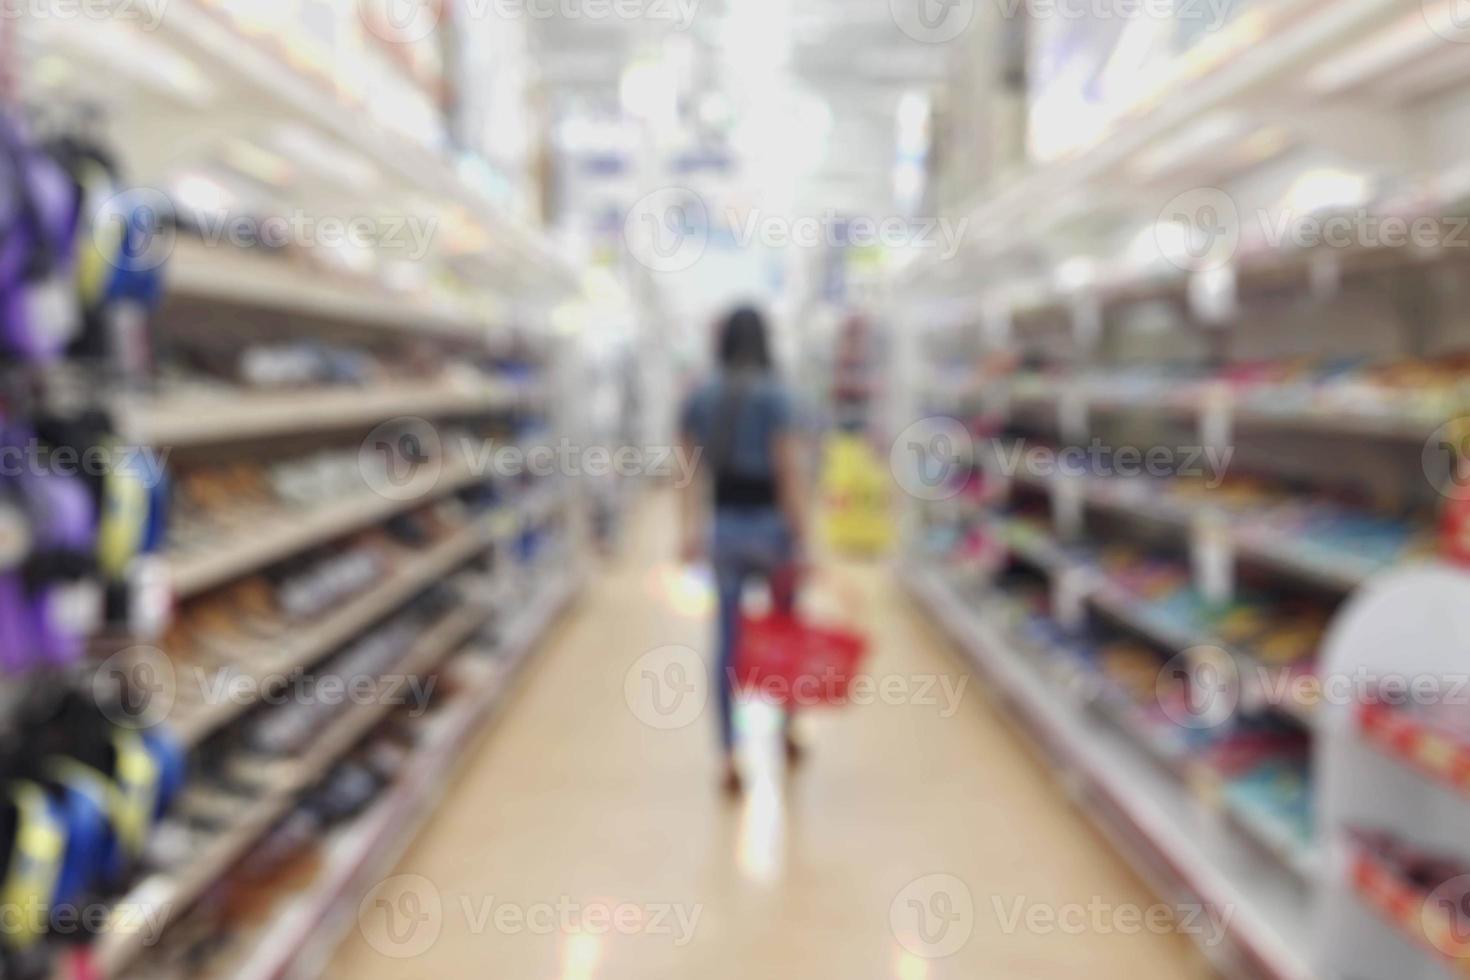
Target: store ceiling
845	62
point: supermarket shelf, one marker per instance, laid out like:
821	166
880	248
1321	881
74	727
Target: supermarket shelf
229	275
1119	605
199	420
272	540
214	42
1301	558
1407	910
174	894
442	639
1277	837
1209	863
1259	50
1436	754
305	927
1190	404
301	648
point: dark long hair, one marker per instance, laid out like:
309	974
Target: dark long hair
744	341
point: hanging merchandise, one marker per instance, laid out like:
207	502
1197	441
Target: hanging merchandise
124	236
65	596
39	311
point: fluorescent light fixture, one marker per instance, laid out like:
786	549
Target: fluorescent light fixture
199	194
1326	190
1075	274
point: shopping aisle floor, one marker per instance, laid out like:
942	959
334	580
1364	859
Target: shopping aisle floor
582	842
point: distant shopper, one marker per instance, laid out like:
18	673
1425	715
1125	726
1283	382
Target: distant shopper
742	422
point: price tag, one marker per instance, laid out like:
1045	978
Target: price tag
996	324
1214	296
151	597
1212	555
53	310
1069	593
1072	415
1217	417
1067	506
79	605
1087	321
1325	274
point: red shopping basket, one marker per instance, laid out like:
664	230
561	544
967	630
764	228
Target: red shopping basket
787	661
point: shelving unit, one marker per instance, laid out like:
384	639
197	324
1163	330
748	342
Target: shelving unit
1183	849
303	647
390	817
1074	317
460	335
185	421
311	925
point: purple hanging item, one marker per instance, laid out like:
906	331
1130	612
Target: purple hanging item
39	312
66	598
17	643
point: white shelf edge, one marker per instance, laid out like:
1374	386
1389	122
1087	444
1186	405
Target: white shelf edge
193	420
304	647
242	552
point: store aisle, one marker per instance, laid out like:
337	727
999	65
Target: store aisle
574	809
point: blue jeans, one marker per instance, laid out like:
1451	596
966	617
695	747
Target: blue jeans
747	544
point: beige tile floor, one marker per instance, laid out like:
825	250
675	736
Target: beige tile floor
574	809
